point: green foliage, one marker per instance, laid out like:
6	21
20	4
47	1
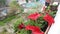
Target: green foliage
48	8
17	22
23	31
40	22
29	22
15	6
53	13
8	19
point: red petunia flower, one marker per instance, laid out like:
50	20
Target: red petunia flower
33	28
49	19
21	26
37	32
34	16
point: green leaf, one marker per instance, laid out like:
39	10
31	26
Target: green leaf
17	22
23	31
8	19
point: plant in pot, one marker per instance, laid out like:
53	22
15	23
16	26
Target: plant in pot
37	23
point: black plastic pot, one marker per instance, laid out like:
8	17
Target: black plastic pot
54	8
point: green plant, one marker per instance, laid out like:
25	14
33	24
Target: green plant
8	19
18	21
15	6
42	21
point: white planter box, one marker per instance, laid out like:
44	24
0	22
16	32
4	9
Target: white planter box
55	28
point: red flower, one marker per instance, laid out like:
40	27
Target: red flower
37	32
33	28
21	26
34	16
49	19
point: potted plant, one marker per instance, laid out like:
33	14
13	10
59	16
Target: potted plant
37	23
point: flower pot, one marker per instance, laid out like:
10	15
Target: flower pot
53	8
